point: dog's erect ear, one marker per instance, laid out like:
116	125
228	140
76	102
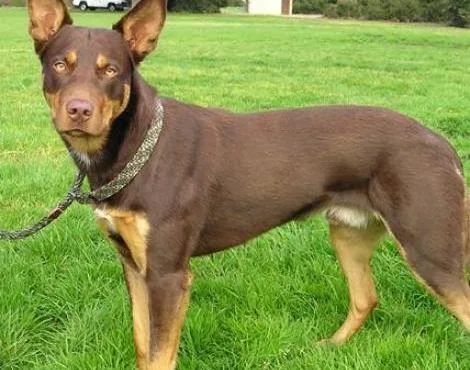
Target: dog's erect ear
46	17
142	26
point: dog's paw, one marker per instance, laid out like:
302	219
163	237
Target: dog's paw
328	343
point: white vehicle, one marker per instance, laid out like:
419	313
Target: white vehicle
111	5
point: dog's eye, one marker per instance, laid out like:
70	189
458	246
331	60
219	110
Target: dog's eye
60	67
110	71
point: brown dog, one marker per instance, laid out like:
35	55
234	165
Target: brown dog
217	179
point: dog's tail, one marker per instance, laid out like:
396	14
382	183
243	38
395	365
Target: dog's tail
466	234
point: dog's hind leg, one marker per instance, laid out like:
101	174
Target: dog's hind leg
427	220
354	247
441	273
446	281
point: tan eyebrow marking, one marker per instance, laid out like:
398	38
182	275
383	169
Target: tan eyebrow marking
71	57
102	61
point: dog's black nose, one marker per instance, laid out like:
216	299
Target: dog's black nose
79	109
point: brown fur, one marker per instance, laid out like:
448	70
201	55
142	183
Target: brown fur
217	179
466	234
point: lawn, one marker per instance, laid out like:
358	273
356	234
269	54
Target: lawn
63	303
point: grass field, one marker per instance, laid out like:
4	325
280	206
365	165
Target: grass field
63	303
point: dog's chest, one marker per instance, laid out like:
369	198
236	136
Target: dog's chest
129	230
105	221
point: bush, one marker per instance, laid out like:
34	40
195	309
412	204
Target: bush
455	12
373	9
343	9
435	10
309	6
459	12
237	3
405	10
196	6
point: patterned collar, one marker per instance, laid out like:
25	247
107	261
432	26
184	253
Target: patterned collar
131	169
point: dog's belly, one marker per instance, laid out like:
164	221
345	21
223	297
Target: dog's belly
352	217
246	220
219	236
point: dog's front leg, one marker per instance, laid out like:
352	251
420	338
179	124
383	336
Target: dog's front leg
158	279
168	299
138	294
159	304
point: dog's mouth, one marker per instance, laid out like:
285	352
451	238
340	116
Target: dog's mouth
84	141
75	133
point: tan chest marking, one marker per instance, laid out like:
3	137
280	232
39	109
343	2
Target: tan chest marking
132	227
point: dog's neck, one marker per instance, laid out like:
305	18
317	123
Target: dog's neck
127	134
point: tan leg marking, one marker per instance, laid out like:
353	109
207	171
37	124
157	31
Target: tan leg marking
354	248
457	301
140	314
133	228
458	304
168	343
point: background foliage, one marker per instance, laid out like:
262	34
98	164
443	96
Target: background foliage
455	12
196	6
452	12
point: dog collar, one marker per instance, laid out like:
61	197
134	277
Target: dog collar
131	169
98	195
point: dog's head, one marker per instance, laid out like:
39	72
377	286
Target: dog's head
87	73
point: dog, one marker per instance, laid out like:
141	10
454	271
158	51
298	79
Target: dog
216	179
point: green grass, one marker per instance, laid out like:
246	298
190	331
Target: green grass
63	303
